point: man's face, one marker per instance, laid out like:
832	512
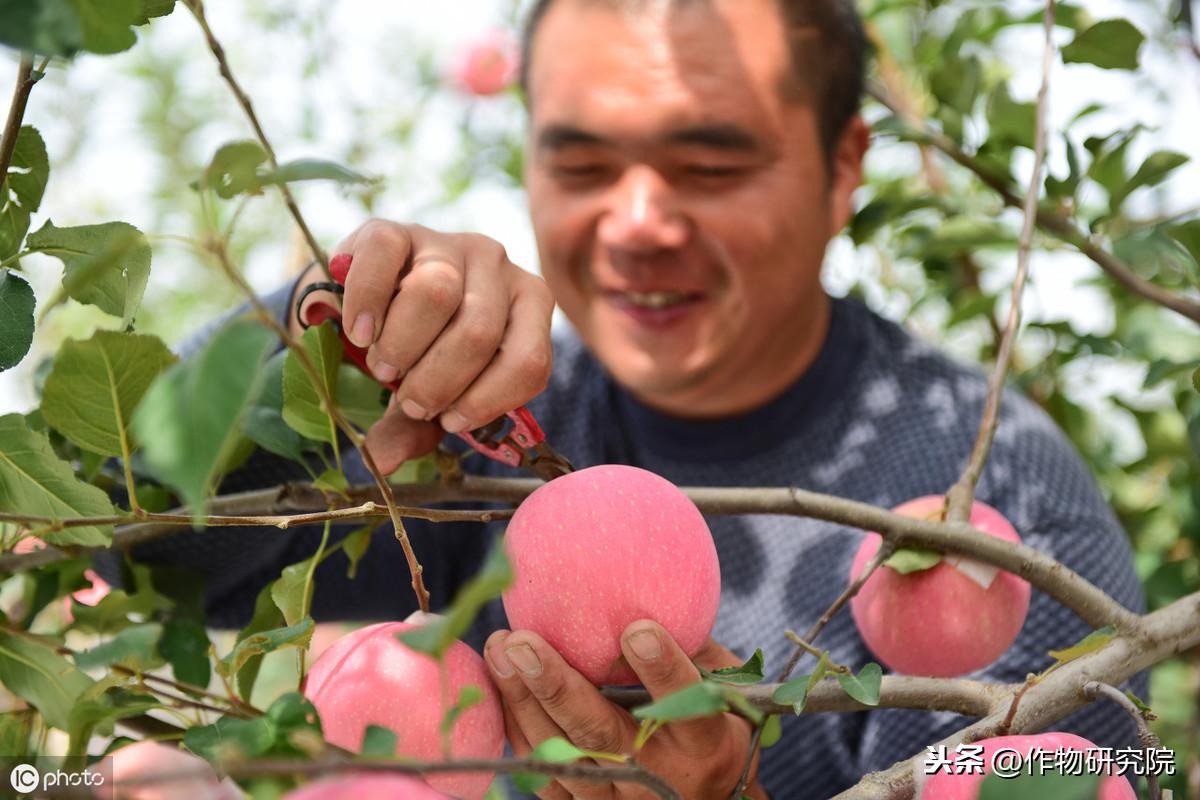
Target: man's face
681	204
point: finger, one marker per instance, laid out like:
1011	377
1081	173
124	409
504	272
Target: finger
664	669
522	749
395	439
520	370
469	341
380	250
548	698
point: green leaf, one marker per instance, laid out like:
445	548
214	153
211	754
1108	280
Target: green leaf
1109	44
16	318
267	616
1088	644
105	265
302	406
355	547
865	686
360	397
135	647
96	384
185	645
33	480
1057	785
331	480
287	591
264	423
99	707
748	673
555	750
1153	171
435	637
794	693
913	559
64	27
234	169
1188	235
42	678
1011	122
1161	369
114	611
468	697
28	173
257	644
772	732
155	8
379	742
311	169
416	470
700	699
189	420
246	738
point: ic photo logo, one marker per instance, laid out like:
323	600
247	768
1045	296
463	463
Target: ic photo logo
24	778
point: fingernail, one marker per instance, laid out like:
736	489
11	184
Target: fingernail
385	372
413	410
645	645
500	663
453	422
363	332
526	660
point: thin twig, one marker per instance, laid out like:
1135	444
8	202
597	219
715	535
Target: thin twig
1094	690
1061	226
197	9
962	494
26	78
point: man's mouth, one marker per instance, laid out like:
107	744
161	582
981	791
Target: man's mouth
655	309
656	300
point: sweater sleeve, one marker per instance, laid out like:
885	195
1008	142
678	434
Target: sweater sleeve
1091	544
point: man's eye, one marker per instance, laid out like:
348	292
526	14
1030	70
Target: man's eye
587	170
714	170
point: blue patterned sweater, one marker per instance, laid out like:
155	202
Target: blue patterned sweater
879	417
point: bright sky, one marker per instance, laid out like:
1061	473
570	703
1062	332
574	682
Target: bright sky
91	110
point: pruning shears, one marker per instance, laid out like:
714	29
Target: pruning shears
515	439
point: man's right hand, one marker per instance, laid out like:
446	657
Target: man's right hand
465	330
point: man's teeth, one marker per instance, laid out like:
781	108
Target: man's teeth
655	299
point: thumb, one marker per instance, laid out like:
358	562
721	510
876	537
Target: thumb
396	438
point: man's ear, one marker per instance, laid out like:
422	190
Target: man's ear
846	172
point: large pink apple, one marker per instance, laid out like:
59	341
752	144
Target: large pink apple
943	786
367	786
148	759
598	549
953	618
370	678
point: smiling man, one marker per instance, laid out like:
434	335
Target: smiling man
688	162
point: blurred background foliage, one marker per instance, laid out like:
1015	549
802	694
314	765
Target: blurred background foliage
931	246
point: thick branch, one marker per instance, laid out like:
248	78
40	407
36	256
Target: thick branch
961	495
1061	226
1158	636
1067	587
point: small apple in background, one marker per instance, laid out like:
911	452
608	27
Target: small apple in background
369	677
367	786
147	759
489	65
598	549
951	619
943	786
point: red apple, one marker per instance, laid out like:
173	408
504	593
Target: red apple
367	786
370	678
943	786
953	618
489	65
598	549
147	759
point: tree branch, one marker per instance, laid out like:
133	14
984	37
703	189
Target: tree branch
1061	226
16	112
1159	635
960	496
197	9
1094	690
1064	585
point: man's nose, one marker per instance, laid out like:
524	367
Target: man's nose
641	214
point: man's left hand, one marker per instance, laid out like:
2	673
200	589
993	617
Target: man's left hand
545	697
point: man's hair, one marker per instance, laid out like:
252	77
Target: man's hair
827	46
